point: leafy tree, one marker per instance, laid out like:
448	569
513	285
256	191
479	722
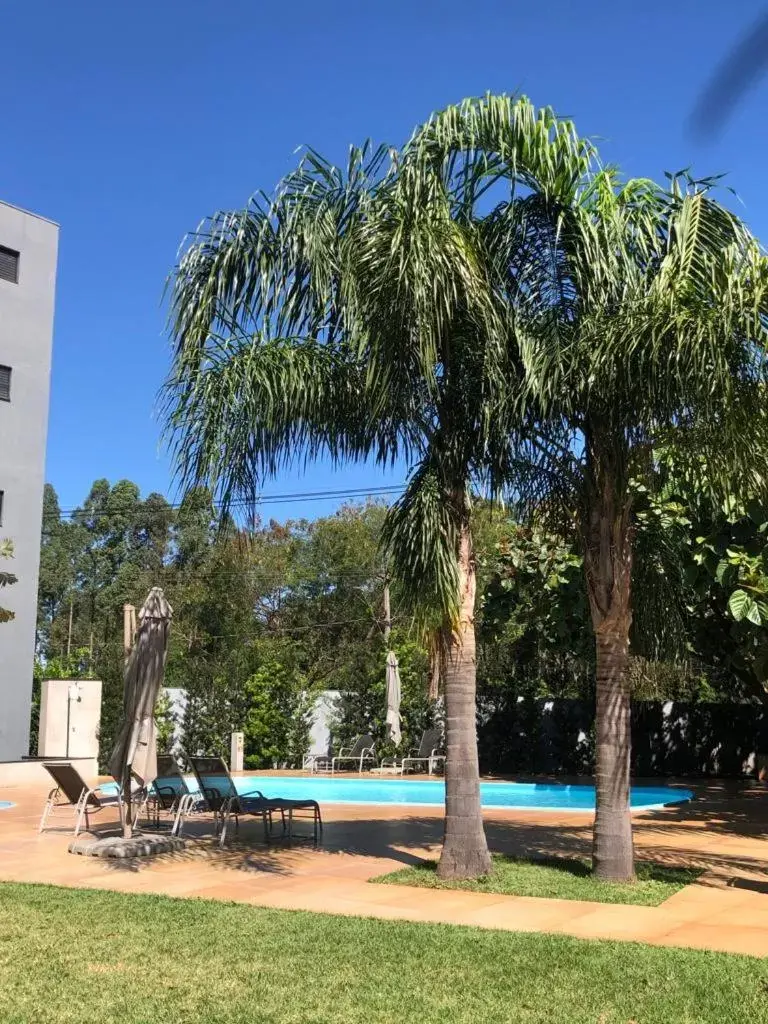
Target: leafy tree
351	316
166	723
56	578
534	617
308	592
720	552
277	721
362	692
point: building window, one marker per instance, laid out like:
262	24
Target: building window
5	383
2	502
9	265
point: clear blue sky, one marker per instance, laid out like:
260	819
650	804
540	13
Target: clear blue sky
129	122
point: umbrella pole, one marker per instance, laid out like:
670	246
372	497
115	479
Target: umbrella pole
127	831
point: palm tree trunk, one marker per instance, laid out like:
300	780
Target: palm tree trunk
465	850
608	567
435	657
613	852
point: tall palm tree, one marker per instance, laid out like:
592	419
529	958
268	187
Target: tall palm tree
355	315
639	320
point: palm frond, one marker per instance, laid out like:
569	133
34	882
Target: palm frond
421	536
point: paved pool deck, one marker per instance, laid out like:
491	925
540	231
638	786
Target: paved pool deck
724	831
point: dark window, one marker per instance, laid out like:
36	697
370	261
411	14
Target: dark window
2	496
5	383
9	264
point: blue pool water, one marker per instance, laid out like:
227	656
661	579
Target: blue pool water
538	796
5	804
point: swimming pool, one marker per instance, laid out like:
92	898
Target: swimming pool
497	795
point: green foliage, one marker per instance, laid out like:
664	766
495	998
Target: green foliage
305	597
722	552
357	313
361	706
7	579
75	665
277	722
535	637
166	723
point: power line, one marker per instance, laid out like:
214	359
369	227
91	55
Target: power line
264	499
272	630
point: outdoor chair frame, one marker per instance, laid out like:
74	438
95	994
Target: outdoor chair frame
362	751
427	752
82	798
225	802
170	792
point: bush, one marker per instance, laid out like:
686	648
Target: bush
277	723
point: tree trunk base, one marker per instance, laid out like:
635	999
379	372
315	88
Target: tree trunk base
464	860
613	855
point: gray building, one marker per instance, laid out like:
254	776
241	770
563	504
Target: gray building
28	250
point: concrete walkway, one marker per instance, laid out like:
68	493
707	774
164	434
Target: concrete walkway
725	832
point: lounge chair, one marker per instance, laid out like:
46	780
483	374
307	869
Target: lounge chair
77	795
170	792
223	799
362	752
427	753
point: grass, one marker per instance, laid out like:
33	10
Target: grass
556	879
78	956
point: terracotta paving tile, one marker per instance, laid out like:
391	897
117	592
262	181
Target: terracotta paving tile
512	915
742	916
725	831
714	897
751	941
632	925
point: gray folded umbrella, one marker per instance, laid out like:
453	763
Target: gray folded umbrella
393	699
135	753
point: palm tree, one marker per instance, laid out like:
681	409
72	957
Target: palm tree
639	319
353	316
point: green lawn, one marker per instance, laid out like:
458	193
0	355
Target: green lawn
79	957
556	879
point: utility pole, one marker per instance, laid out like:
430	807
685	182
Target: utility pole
387	616
129	628
69	632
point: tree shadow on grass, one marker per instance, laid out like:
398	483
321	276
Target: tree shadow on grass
573	867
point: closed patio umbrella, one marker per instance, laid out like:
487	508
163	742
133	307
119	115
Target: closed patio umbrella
393	699
135	753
